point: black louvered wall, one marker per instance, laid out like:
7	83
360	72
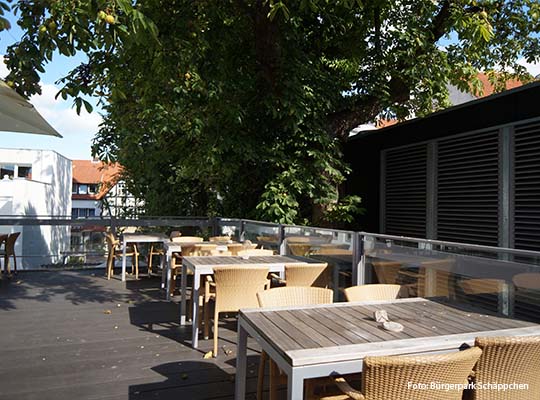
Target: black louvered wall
467	189
405	191
527	187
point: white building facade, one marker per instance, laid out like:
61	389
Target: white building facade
36	183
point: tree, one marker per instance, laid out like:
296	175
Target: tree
241	107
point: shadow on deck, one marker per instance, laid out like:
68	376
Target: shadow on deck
76	335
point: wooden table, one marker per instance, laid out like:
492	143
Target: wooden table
171	247
316	341
205	266
139	238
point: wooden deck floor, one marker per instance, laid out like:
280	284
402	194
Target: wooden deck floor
75	335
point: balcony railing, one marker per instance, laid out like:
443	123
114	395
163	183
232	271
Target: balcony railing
497	279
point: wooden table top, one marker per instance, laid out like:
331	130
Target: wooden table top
347	331
197	261
145	237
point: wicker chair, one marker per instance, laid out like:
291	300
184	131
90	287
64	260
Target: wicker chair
204	249
373	292
220	253
233	288
187	239
9	251
115	251
508	360
155	250
390	378
176	263
314	275
255	252
299	249
220	239
527	280
288	296
234	248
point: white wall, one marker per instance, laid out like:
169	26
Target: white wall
47	194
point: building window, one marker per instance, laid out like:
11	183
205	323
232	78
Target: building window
14	170
74	188
83	212
92	189
24	171
7	170
83	189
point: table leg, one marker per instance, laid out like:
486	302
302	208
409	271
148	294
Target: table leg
195	304
168	277
335	286
163	272
124	261
295	386
241	364
183	285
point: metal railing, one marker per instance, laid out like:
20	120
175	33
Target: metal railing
484	275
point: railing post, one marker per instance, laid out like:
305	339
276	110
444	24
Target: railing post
359	262
241	236
282	247
215	226
113	225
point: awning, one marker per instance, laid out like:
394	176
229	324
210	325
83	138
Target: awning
18	115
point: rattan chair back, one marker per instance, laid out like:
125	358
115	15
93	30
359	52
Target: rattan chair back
220	239
237	287
508	360
527	280
373	292
205	249
187	239
255	252
385	378
290	296
315	275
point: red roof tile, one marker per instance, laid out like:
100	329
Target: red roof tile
96	172
489	89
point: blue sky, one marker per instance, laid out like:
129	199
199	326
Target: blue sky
77	131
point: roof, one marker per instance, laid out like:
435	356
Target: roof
457	97
489	89
498	109
97	173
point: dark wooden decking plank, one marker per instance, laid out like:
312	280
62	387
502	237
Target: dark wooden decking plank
58	344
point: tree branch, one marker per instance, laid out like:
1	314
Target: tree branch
440	24
367	108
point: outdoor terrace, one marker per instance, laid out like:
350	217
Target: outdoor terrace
59	341
71	333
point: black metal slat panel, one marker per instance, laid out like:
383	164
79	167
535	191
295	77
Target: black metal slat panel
468	188
405	191
527	187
